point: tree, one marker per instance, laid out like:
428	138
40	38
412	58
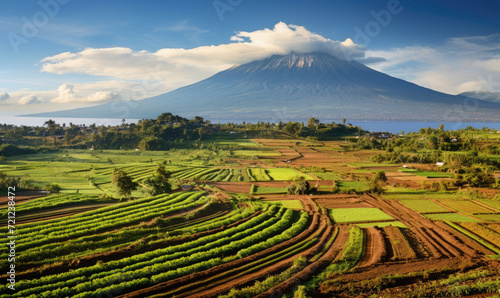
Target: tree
158	183
300	186
51	125
377	183
123	182
312	122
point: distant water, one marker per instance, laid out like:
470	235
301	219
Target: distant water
384	126
39	121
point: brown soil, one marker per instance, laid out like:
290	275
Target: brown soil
374	247
400	246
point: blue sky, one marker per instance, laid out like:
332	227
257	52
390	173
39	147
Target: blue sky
83	53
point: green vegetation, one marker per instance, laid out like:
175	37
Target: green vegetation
475	237
468	207
423	206
356	186
352	254
455	217
428	174
286	174
267	190
342	215
292	204
124	183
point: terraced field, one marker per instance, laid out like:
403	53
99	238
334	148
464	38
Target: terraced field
238	234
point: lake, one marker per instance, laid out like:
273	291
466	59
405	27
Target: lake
384	126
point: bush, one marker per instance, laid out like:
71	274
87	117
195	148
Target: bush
53	188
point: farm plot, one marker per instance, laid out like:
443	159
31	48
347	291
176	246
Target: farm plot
382	224
466	206
401	248
346	215
56	201
424	206
482	234
286	174
427	174
168	263
493	203
255	189
356	185
489	217
259	174
454	217
292	204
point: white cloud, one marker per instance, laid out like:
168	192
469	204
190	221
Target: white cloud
4	96
66	94
458	65
29	99
176	67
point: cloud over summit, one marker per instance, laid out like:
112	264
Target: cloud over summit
178	66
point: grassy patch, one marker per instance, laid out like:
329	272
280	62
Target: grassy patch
286	174
327	175
489	217
268	190
423	206
248	153
466	206
341	215
428	174
356	185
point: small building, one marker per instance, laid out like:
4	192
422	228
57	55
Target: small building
186	187
440	163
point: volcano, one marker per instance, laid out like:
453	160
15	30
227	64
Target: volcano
297	87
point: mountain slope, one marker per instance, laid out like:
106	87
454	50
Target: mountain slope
297	86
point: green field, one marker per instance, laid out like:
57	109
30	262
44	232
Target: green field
424	206
450	217
286	174
428	174
292	204
489	217
371	165
493	203
468	207
269	190
356	185
345	215
247	153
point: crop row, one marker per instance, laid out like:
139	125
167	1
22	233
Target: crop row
77	226
52	201
475	237
116	239
153	254
171	262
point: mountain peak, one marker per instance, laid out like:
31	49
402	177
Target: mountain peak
299	86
